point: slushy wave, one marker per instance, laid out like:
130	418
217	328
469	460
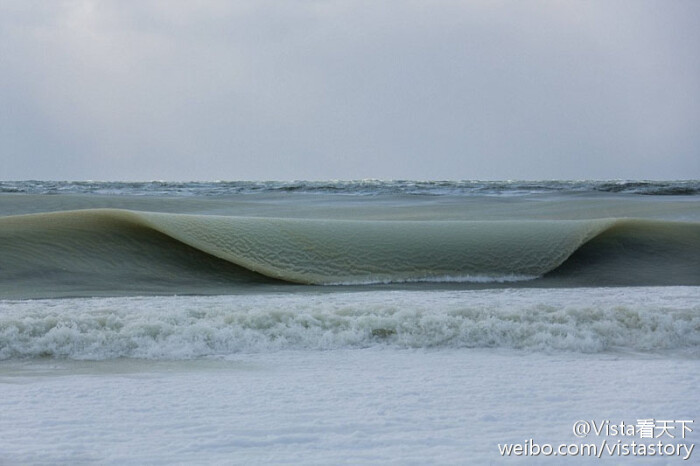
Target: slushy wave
117	249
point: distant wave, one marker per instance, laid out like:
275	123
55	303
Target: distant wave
354	187
112	250
574	320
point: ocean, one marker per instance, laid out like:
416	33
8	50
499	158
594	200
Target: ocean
362	322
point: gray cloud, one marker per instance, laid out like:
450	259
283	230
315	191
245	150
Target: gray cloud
349	89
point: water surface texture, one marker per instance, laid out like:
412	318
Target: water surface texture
369	322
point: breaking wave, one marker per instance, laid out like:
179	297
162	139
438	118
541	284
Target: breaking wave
117	250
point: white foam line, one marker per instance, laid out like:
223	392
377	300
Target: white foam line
441	279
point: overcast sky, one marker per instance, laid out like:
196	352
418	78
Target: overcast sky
349	89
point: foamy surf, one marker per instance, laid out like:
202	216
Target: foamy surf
588	321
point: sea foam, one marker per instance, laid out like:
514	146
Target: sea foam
578	320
